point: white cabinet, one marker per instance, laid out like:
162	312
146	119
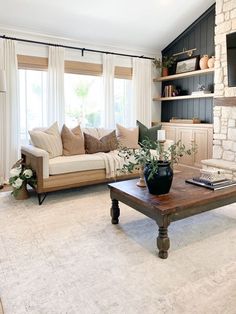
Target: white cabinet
199	134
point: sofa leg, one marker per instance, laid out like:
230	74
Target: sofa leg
41	197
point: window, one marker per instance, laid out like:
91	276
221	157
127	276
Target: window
122	98
83	94
32	85
83	100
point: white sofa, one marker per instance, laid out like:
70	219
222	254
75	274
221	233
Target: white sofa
65	172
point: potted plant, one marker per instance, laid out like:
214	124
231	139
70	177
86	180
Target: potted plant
164	64
157	163
20	176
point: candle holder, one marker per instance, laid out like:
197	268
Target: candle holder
161	135
162	144
141	182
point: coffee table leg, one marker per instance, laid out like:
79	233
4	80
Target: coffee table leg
115	212
163	242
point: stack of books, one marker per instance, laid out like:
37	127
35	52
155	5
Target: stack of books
212	185
168	90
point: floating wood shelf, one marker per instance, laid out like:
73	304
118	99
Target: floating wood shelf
182	75
183	97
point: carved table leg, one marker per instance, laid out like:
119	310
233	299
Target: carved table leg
115	212
163	242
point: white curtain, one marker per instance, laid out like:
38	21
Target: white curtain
108	90
142	96
56	100
9	109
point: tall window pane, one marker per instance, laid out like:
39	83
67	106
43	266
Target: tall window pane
32	101
83	100
122	98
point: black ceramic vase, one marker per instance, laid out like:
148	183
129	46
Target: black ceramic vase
161	182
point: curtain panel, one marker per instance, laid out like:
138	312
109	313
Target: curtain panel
108	91
9	109
56	100
142	96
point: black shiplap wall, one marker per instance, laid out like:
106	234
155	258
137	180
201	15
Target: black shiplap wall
199	35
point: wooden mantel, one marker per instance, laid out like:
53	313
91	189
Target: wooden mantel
225	101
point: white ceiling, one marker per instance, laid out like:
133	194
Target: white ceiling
130	24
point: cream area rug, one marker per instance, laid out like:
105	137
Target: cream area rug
1	309
65	257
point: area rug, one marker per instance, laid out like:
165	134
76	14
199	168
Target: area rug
66	257
1	308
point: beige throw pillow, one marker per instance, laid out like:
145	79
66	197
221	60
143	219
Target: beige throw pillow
72	141
104	144
49	140
127	137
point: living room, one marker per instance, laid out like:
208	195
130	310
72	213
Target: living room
86	77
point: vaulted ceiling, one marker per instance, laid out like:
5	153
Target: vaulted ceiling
130	24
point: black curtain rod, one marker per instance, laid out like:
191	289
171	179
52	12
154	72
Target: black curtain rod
71	47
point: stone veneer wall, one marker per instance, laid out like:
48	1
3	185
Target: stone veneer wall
224	139
224	142
225	24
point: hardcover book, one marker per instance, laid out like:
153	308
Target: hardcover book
214	187
212	183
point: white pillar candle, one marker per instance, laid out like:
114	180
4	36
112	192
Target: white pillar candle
161	135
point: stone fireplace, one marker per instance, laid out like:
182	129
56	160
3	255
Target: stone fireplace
224	112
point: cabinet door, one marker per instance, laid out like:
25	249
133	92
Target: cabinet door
186	137
200	139
170	132
201	136
203	140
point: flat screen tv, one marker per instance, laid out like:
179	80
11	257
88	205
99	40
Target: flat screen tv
231	58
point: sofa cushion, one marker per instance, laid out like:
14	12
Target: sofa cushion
104	144
48	139
147	133
97	132
72	141
127	137
91	131
67	164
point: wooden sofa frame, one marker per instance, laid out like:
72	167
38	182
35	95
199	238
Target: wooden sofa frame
66	180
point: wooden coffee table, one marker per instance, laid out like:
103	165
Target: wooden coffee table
183	200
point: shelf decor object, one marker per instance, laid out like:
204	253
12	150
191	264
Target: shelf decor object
188	121
163	64
201	92
211	62
188	52
187	65
203	63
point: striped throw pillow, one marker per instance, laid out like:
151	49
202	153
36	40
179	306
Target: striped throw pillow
49	140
